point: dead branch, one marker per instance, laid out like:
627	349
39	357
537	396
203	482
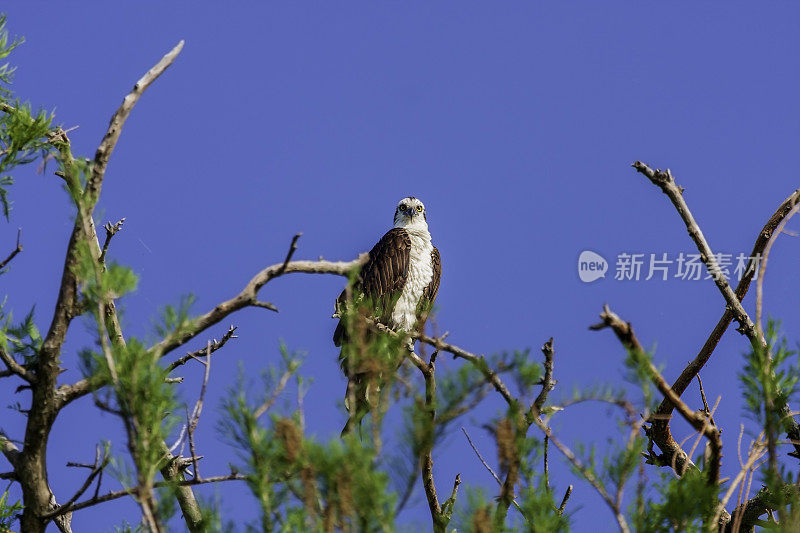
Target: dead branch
587	474
759	504
215	345
666	183
111	137
762	267
660	430
111	230
478	361
198	410
132	491
547	382
564	500
15	368
674	192
9	449
702	357
14	252
68	393
700	423
489	469
100	462
269	402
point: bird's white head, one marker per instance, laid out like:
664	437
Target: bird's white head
410	214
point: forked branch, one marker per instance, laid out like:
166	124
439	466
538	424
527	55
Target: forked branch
700	423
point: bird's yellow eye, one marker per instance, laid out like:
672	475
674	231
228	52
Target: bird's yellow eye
419	208
401	207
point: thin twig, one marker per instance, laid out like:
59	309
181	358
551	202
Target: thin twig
489	468
16	368
215	345
99	464
762	267
132	491
111	230
290	253
547	382
703	398
564	500
198	409
480	457
15	251
264	407
587	474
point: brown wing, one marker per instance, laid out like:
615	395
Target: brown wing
382	277
430	292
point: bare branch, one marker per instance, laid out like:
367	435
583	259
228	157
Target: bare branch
111	230
198	409
264	407
9	449
16	368
68	393
660	428
290	253
99	464
700	423
547	382
674	192
762	267
14	252
215	345
132	491
489	468
265	305
111	137
477	360
586	473
564	500
702	357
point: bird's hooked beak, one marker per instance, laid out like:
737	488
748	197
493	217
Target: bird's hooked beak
410	212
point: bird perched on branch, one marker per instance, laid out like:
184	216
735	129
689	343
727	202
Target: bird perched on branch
396	287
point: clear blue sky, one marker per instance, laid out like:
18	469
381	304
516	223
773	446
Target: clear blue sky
515	123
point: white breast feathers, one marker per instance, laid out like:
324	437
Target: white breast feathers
420	274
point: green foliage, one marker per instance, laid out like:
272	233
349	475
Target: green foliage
301	484
175	321
22	132
640	372
166	504
619	465
476	515
684	504
8	512
7	46
540	509
769	379
211	517
99	285
143	398
21	340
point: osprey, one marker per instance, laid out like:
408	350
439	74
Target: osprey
399	283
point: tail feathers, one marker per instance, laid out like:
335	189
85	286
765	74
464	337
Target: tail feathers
358	388
338	334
